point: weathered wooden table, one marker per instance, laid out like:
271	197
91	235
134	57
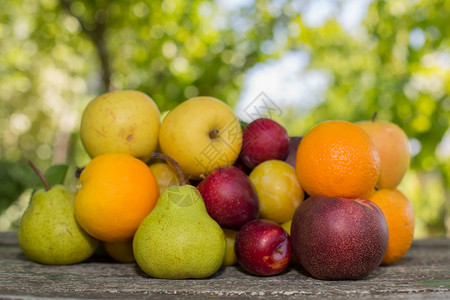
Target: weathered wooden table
424	273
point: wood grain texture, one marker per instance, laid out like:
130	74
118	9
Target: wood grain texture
424	273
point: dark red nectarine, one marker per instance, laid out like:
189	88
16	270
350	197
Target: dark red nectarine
338	238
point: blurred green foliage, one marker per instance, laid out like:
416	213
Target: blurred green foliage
57	55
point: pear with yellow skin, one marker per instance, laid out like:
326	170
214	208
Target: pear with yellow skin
392	145
122	121
178	239
201	134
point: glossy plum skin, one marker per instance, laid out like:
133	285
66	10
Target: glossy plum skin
263	139
338	238
230	197
291	158
263	248
240	165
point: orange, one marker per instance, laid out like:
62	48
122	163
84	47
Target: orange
337	159
399	215
116	192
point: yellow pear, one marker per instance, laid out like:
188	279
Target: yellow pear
392	145
125	121
201	134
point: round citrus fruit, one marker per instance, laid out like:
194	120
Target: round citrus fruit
399	215
278	189
337	159
116	192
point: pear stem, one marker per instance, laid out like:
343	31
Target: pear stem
213	133
41	176
374	116
165	157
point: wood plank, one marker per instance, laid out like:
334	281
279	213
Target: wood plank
424	272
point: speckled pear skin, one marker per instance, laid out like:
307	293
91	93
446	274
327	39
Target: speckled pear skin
178	239
48	231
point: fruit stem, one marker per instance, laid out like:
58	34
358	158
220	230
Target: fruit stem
213	133
374	116
78	172
41	176
165	157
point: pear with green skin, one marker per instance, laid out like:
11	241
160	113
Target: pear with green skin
178	239
48	231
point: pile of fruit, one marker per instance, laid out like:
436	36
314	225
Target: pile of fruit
199	190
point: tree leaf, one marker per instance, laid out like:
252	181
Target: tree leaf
55	175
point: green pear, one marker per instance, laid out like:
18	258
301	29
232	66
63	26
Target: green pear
48	231
178	239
